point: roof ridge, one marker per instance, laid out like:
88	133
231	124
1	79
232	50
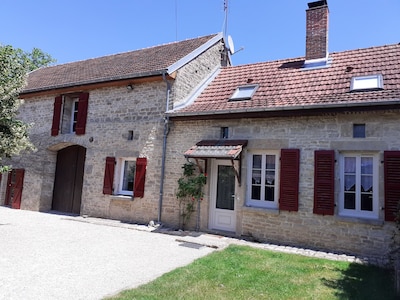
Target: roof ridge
299	58
367	48
131	51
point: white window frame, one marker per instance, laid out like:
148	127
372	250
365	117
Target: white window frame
120	178
75	101
244	92
262	203
364	83
357	212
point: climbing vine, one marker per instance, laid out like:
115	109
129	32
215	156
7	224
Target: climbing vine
190	192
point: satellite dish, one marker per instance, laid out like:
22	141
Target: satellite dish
231	46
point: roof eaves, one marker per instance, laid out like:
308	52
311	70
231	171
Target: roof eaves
177	114
94	81
189	57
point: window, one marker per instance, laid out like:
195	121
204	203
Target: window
364	83
129	175
244	92
263	174
359	130
359	185
70	114
224	132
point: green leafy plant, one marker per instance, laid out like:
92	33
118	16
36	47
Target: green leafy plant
190	191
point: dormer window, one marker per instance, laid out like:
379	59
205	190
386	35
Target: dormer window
244	92
366	83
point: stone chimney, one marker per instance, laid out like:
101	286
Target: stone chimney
317	30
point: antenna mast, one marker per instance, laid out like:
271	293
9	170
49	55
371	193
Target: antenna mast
225	29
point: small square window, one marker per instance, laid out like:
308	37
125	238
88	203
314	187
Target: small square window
224	132
359	130
365	83
130	135
244	92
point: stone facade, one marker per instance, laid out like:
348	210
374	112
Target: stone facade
361	236
120	123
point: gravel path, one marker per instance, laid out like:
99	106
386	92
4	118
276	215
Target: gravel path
49	256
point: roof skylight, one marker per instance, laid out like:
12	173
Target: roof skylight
365	83
244	92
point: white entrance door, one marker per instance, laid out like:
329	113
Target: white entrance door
223	187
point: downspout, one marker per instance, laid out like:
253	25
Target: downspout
164	147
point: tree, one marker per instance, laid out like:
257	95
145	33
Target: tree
14	66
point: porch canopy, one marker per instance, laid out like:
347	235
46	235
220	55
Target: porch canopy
220	149
223	149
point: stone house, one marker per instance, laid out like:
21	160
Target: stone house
302	151
99	127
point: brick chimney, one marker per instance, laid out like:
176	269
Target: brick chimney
317	30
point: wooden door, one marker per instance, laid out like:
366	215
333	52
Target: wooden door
15	182
68	180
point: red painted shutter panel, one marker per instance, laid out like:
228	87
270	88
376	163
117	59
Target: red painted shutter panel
392	184
324	178
55	127
140	176
289	181
19	182
82	113
8	190
109	176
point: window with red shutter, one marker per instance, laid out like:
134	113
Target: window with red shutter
140	177
82	113
289	180
324	173
392	184
109	176
55	127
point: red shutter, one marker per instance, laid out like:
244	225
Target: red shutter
82	113
55	127
392	184
109	176
289	181
140	176
8	189
324	178
18	185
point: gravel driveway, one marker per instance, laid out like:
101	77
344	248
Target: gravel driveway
50	256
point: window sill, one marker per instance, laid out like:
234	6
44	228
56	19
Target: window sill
360	220
268	210
121	197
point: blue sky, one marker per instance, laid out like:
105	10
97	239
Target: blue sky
267	30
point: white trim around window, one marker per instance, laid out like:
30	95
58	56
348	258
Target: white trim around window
126	169
74	114
359	185
263	179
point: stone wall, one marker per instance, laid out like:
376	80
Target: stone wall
302	228
112	113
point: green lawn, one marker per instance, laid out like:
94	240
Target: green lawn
241	272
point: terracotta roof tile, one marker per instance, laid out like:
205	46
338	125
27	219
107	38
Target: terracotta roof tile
113	67
285	83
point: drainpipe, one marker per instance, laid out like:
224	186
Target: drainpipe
164	148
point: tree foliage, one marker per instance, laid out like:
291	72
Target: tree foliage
14	66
